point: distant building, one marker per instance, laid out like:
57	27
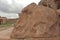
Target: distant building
12	20
3	20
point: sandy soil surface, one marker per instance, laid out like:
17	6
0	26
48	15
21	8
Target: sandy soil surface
5	34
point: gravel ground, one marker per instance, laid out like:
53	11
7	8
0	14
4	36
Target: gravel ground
5	34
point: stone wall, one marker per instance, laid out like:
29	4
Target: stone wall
12	20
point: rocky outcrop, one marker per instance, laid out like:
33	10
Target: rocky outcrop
36	22
58	16
55	4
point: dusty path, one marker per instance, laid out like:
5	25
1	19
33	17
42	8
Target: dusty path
6	33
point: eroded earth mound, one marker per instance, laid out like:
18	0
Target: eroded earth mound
35	22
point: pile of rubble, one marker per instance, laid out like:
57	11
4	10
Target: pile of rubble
38	22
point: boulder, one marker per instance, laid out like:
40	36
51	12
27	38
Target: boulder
35	22
58	13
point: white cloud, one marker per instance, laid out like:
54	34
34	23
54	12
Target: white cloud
10	8
15	6
9	2
9	15
27	2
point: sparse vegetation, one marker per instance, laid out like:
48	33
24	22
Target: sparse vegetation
6	25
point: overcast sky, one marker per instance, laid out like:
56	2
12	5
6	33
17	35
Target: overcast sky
11	8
